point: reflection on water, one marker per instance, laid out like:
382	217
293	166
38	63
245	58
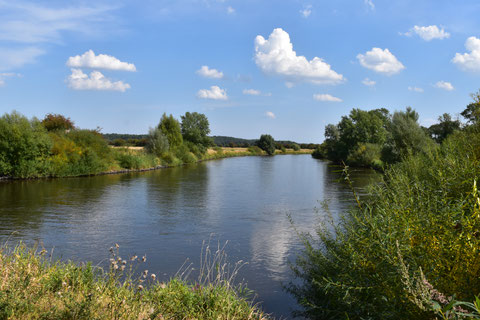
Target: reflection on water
168	213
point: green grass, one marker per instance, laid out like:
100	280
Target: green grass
34	287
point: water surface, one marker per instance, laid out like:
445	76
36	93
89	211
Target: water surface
167	214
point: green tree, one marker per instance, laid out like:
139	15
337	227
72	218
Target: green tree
170	127
157	142
267	144
57	122
445	127
406	137
24	146
195	129
472	111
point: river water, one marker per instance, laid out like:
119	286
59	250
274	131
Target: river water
167	214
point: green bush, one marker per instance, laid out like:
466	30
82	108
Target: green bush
295	147
255	150
24	146
157	142
267	144
426	210
128	160
365	155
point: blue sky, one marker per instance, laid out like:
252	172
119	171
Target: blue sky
286	68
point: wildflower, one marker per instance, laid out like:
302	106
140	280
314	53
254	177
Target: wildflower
153	276
144	258
145	273
133	258
140	287
115	266
124	262
111	249
122	267
117	246
163	285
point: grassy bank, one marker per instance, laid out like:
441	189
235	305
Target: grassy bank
34	287
408	251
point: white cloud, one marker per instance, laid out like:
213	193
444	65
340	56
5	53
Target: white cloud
415	89
469	61
15	58
102	61
306	11
326	97
382	61
215	93
289	84
252	92
30	22
369	4
428	33
275	56
206	72
444	85
230	10
270	114
7	75
368	82
96	81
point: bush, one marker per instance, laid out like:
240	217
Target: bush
24	146
57	122
184	154
255	150
157	142
267	144
129	161
365	155
427	211
295	147
319	152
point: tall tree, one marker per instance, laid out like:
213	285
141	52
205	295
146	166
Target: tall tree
170	127
195	128
267	144
445	127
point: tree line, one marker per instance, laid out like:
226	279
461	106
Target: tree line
374	138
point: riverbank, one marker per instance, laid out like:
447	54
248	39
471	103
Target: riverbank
133	160
34	287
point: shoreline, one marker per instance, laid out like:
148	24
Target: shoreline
214	156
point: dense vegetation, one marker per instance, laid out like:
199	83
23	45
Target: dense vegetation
375	138
34	287
411	249
54	147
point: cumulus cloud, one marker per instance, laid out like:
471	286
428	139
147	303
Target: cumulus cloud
15	58
326	97
215	93
368	82
382	61
206	72
469	61
306	11
275	56
415	89
369	3
270	114
95	81
101	61
252	92
428	33
444	85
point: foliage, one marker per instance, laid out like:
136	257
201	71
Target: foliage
24	146
170	127
57	122
267	144
472	111
426	210
445	127
255	150
366	155
406	137
157	142
195	128
295	147
34	287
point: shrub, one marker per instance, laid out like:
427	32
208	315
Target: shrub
319	152
129	161
157	142
295	147
24	146
267	144
57	122
254	150
365	155
425	210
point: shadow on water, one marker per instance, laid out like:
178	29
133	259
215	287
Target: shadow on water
167	214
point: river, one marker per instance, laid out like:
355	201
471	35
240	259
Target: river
168	213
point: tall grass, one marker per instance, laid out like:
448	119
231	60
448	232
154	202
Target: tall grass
426	210
32	286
